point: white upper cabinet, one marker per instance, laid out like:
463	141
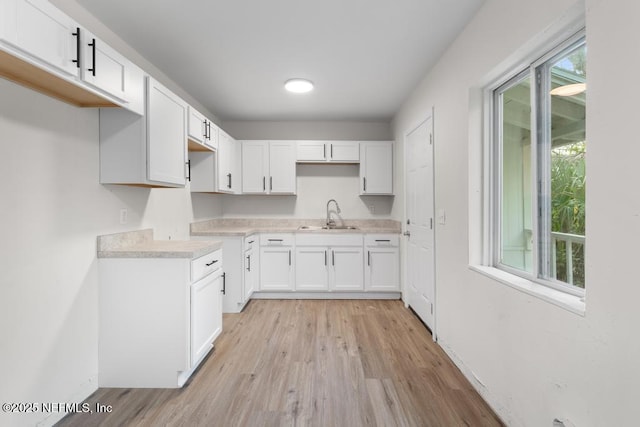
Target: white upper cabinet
103	67
228	162
43	32
327	151
148	150
202	133
376	168
43	48
166	124
268	167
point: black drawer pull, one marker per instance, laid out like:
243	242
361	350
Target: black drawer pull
383	240
211	263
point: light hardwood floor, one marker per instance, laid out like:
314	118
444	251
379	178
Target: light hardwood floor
309	362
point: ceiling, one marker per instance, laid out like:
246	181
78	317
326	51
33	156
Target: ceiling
364	56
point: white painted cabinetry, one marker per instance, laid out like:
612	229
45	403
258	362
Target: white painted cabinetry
201	132
63	59
376	168
327	151
251	265
382	268
228	164
148	150
276	262
158	318
268	167
329	262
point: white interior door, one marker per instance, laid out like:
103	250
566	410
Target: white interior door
419	196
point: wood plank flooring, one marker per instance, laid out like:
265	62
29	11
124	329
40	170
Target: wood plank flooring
309	363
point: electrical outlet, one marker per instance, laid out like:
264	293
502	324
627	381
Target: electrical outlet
124	216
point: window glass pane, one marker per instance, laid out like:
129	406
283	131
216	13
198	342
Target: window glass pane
568	150
516	226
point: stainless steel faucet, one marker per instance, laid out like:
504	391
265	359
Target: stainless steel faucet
330	221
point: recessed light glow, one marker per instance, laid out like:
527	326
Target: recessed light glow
569	90
298	85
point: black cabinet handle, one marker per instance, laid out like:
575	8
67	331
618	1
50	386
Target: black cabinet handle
224	283
229	178
189	170
275	240
289	256
364	183
248	262
93	55
332	151
264	183
325	258
324	151
383	240
270	183
251	241
78	47
333	258
368	257
206	132
211	263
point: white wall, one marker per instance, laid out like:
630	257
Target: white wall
316	184
53	207
532	360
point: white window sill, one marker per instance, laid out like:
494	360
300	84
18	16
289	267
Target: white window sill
572	303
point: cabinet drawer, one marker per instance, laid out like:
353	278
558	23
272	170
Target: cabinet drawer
326	239
382	240
206	264
276	240
251	242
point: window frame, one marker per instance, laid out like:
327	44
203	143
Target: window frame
540	171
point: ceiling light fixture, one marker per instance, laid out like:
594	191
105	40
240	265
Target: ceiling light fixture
569	90
298	85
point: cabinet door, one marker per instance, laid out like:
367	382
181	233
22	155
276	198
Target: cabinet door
276	269
311	269
382	270
343	151
311	151
376	168
255	167
206	315
103	67
167	135
197	129
228	178
347	269
282	167
44	33
251	269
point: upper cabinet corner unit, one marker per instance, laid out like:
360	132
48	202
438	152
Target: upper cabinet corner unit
268	167
328	152
43	48
147	150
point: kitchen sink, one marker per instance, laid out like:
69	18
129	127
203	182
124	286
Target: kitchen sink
326	227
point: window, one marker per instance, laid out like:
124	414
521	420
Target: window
539	149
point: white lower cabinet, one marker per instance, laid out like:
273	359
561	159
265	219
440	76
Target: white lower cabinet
158	318
329	263
382	268
276	262
240	272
